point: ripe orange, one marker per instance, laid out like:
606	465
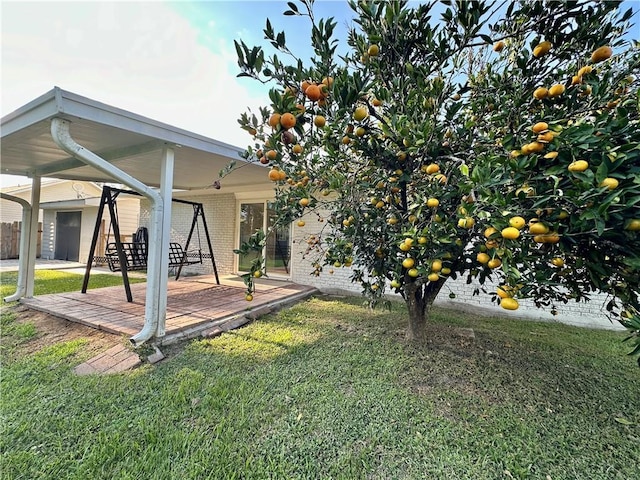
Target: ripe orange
610	183
272	154
274	120
538	228
517	222
534	147
408	262
541	49
297	148
432	168
510	233
633	225
578	166
494	263
436	265
376	102
303	202
551	155
556	90
274	175
433	277
509	303
576	79
557	261
540	93
313	93
489	231
466	222
503	291
433	202
360	113
540	127
585	71
248	297
413	272
287	120
498	46
551	237
601	54
373	51
546	137
483	257
441	178
319	121
301	223
346	140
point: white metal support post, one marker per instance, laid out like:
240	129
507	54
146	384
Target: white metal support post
166	186
33	237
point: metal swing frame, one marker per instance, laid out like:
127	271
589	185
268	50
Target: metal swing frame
128	256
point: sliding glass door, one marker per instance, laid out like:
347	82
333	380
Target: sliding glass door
277	251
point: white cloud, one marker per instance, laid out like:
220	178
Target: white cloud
139	56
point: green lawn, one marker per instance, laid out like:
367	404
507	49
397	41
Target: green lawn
58	281
329	389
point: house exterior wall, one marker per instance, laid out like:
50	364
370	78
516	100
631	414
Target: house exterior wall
220	214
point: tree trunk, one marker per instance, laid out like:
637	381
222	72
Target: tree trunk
419	299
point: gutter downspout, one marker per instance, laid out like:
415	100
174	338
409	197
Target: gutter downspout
23	255
62	137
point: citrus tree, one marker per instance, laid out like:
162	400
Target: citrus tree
490	141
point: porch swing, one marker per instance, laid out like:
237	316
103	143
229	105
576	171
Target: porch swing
130	256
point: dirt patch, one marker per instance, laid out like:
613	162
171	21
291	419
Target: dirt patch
51	330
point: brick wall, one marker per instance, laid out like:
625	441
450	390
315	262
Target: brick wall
591	314
220	214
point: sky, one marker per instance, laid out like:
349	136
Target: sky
169	61
174	62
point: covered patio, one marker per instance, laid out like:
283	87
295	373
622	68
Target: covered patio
64	135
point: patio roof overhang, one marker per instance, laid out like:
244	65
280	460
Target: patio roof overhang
64	135
130	142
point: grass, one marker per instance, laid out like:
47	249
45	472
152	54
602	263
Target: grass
58	281
329	389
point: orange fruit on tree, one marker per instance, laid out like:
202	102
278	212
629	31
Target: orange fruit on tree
578	166
504	291
540	127
297	148
328	81
274	120
557	261
301	223
517	222
360	131
510	233
432	168
585	71
248	297
288	120
610	183
376	102
533	147
408	262
373	50
556	90
313	93
538	228
433	277
551	155
303	202
541	49
466	222
509	303
498	46
413	272
433	202
494	263
546	137
274	175
360	113
633	225
272	154
346	140
576	79
601	54
436	265
489	231
540	93
483	258
304	85
319	121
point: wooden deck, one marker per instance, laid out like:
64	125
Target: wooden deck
194	305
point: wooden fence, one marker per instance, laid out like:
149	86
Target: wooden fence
10	240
